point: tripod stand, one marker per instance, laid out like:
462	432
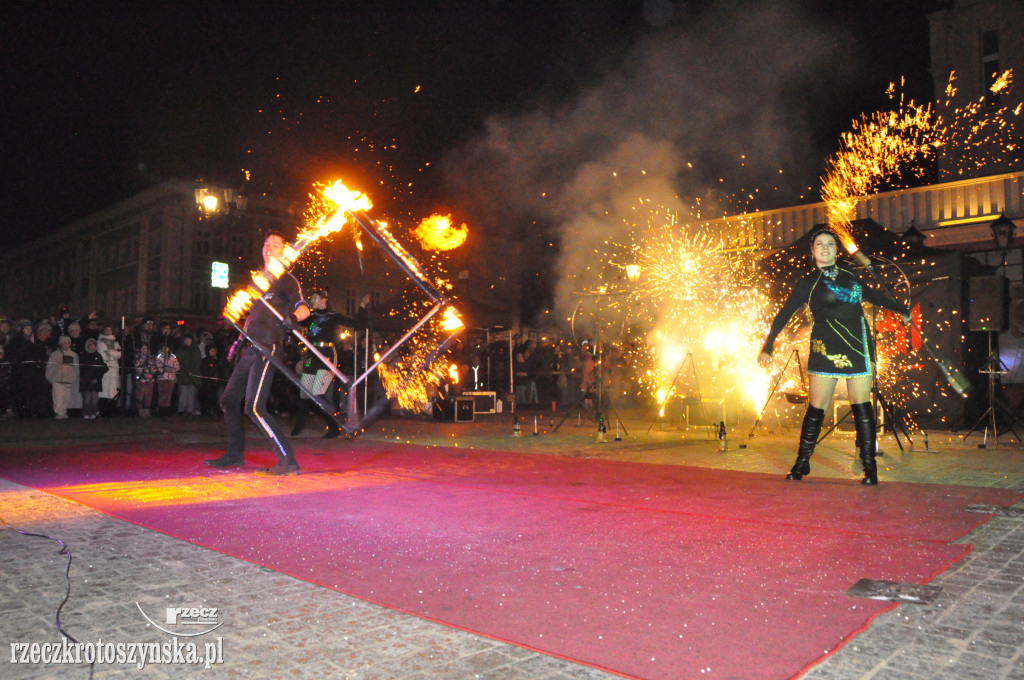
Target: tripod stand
800	398
602	398
993	367
672	390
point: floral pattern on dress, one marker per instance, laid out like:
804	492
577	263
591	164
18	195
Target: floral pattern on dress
838	360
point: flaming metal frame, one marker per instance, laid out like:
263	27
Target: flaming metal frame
405	261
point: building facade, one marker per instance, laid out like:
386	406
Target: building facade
177	251
153	254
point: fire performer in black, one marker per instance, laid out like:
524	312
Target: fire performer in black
841	347
253	375
322	329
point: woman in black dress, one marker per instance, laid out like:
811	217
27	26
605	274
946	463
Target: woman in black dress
841	347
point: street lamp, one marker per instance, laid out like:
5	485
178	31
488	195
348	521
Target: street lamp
913	237
213	200
1003	230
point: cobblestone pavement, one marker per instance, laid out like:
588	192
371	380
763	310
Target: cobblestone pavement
283	627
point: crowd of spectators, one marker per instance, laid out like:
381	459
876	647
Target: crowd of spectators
63	366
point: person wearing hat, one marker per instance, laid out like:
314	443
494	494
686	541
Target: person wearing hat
141	335
62	371
322	328
62	320
29	389
90	378
110	349
190	364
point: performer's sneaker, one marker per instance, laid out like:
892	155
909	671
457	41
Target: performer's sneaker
225	461
282	468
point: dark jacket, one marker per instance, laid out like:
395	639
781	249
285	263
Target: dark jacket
91	370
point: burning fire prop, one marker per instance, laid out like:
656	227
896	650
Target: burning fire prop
409	377
437	233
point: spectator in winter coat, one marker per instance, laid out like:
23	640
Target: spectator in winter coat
62	372
33	395
6	398
90	379
74	331
190	363
145	377
166	376
215	372
110	349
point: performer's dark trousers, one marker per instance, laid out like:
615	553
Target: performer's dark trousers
250	384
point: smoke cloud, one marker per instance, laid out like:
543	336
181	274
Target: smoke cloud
723	94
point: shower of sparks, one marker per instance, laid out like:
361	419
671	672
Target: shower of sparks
412	375
687	313
882	147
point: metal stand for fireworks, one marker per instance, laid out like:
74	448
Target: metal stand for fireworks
602	398
598	372
957	380
672	390
993	367
793	398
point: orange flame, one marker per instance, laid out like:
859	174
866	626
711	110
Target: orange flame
451	320
453	374
437	233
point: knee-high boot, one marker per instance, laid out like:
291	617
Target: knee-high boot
864	421
301	409
808	438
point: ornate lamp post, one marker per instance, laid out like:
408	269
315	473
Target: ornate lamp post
1003	230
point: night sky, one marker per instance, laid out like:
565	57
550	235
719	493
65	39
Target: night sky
104	99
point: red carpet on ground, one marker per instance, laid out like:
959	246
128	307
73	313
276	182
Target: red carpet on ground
649	571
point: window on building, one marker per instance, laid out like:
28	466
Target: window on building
990	66
200	295
202	246
990	43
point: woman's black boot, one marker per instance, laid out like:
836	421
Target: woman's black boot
864	421
808	438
